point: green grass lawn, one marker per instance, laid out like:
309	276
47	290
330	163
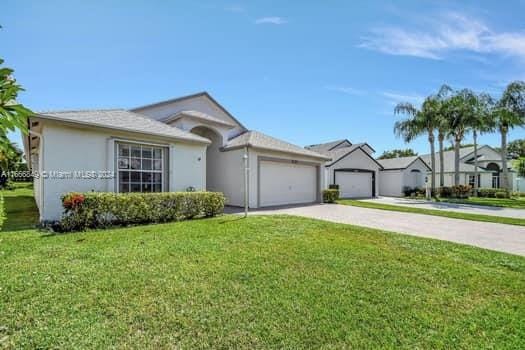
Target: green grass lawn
435	212
261	282
515	202
20	208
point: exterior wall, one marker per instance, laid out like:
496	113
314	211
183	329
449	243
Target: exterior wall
68	149
485	179
188	124
253	156
391	183
228	176
410	180
199	103
356	160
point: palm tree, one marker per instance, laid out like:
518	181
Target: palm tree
480	123
460	109
442	128
509	112
417	123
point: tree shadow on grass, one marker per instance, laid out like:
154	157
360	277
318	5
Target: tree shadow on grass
21	212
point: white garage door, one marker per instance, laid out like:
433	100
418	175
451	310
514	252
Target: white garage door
354	184
286	183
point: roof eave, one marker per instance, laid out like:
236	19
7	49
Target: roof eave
249	145
95	125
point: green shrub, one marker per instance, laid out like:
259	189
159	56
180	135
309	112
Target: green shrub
461	191
491	192
333	187
445	192
105	209
501	194
330	195
2	211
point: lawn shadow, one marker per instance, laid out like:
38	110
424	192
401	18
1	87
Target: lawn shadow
21	212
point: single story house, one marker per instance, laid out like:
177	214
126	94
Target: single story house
400	173
186	143
489	167
352	168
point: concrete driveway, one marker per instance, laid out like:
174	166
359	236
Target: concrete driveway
462	208
499	237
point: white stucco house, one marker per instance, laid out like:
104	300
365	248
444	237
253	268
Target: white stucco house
402	172
173	145
489	167
352	167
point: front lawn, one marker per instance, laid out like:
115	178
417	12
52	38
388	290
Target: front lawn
20	208
261	282
435	212
514	202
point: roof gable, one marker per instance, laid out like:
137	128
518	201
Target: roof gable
201	102
401	163
340	154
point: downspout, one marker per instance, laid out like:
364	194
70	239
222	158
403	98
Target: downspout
246	171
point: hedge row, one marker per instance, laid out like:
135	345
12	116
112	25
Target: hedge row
104	209
493	193
2	212
459	191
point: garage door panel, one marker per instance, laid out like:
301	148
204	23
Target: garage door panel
287	183
354	184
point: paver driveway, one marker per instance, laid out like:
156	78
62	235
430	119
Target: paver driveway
457	207
500	237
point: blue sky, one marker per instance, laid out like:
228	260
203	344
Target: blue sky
303	71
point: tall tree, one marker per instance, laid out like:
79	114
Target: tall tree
443	128
480	122
517	147
12	114
509	112
460	109
419	122
396	153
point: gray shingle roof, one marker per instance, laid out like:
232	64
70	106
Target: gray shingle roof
121	119
448	157
259	140
398	163
198	115
323	147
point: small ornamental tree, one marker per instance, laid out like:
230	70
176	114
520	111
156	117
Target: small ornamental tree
13	115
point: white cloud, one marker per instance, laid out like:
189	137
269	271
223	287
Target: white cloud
346	90
270	20
394	98
453	32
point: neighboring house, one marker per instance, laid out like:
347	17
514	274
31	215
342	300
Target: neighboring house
174	145
400	173
352	168
489	167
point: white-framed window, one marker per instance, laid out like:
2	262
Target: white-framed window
140	168
495	180
471	180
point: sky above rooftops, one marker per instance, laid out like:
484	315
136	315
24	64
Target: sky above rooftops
306	72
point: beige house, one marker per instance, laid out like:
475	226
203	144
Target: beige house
187	143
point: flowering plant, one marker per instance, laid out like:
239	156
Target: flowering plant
72	201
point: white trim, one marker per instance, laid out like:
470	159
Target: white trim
164	173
